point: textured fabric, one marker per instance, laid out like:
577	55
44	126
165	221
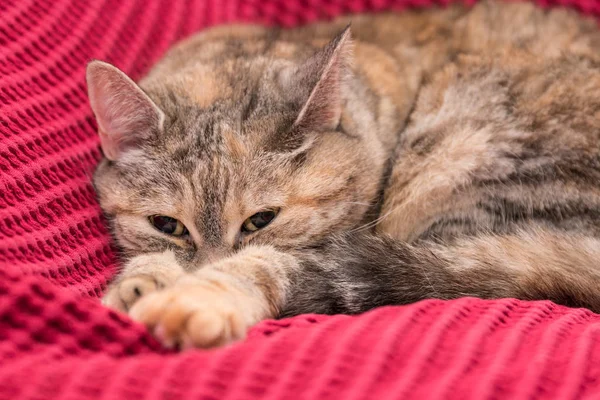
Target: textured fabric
58	342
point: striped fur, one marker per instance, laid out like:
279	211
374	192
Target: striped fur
439	153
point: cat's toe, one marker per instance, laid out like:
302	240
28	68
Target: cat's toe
124	294
112	299
132	289
211	328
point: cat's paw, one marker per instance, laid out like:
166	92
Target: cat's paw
191	315
141	276
125	293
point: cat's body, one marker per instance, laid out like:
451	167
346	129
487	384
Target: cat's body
440	154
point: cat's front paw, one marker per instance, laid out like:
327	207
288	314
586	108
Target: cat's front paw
124	294
192	314
141	276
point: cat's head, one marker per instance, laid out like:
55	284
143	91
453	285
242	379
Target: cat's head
242	149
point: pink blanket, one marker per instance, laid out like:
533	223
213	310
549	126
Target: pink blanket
58	342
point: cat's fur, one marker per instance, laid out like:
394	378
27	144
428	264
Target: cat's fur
439	153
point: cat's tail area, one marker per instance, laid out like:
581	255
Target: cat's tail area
354	273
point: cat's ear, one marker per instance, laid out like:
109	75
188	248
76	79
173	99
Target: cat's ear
125	114
324	74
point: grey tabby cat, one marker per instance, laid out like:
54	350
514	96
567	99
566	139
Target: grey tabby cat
259	172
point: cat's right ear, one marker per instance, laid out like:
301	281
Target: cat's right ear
125	114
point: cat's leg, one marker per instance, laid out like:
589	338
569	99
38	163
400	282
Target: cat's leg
140	276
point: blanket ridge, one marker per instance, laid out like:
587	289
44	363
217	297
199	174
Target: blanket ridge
58	342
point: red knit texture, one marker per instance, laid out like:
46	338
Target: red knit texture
58	342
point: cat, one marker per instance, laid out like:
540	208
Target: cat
260	172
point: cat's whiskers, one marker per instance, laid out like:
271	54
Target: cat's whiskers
371	224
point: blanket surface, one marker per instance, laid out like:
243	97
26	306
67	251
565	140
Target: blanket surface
58	342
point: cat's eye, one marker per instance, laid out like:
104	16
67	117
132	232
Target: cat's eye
168	225
259	220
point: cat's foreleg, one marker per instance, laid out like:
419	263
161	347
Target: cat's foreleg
211	306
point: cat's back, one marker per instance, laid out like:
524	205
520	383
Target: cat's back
498	144
393	52
489	26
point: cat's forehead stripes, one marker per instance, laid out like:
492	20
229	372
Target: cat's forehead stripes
214	178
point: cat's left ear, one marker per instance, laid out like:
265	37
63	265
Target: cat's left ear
324	74
125	114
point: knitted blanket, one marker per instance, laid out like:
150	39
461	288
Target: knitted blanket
58	342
